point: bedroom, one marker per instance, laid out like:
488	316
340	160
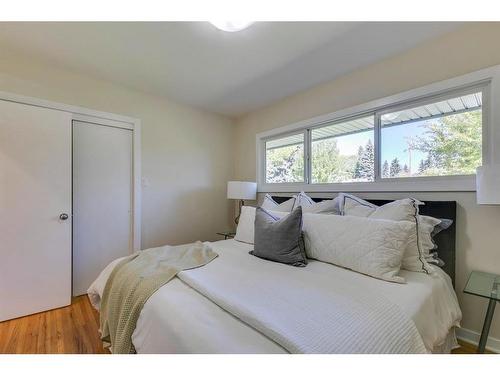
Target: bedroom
362	154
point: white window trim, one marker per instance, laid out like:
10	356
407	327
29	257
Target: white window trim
489	78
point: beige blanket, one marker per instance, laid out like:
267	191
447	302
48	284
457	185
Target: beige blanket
134	280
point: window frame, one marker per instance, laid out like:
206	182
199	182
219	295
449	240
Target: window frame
470	89
306	152
481	81
335	122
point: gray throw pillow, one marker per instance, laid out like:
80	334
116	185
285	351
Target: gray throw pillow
279	240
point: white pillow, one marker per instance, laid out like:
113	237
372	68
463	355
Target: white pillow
370	246
403	209
245	231
354	206
400	210
329	206
304	199
426	225
269	204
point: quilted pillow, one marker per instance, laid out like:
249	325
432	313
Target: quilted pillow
270	204
369	246
400	210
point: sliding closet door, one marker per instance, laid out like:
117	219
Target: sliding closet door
35	209
102	199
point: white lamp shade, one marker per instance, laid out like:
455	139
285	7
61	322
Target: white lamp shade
241	190
488	184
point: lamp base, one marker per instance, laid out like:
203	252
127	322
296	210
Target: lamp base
241	203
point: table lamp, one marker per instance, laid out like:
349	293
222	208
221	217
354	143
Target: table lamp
241	190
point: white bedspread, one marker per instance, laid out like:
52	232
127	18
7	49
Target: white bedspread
178	319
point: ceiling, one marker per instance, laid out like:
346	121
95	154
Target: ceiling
227	73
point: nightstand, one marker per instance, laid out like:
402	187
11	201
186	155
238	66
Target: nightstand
227	234
486	285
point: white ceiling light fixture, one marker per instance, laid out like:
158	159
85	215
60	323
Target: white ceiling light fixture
231	26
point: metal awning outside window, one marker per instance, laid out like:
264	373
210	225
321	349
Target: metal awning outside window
429	111
289	140
452	106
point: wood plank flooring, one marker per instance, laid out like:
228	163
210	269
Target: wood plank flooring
71	330
466	348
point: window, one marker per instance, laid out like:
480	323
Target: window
436	136
285	159
440	138
343	152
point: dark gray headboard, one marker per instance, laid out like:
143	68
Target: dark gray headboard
444	240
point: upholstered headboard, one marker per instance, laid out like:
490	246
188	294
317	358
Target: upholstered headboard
445	240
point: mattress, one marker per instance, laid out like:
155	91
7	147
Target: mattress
178	319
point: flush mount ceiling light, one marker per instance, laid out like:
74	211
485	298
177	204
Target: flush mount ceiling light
231	26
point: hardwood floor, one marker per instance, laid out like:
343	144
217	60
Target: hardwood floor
69	330
72	330
466	348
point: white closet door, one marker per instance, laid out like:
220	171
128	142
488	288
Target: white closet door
102	199
35	189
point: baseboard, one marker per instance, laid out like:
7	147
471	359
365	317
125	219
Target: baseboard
472	337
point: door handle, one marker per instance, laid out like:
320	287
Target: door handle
63	216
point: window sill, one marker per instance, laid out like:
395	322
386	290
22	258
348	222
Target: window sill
415	184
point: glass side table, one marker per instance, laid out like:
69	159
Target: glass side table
486	285
227	234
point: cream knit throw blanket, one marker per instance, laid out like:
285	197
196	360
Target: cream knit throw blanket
134	280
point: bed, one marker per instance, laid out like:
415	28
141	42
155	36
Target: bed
243	304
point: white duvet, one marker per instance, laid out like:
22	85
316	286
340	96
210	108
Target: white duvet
182	317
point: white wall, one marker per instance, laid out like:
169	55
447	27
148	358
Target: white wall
186	152
463	51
